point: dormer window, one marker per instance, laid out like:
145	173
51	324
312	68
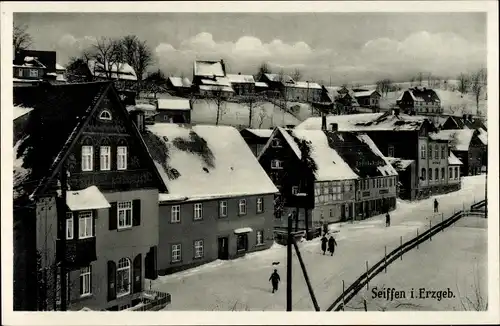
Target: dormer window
276	142
105	115
33	73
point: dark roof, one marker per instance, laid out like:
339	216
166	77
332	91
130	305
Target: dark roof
59	112
47	58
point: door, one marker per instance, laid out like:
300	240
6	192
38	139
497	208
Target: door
223	252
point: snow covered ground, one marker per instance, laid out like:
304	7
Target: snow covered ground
461	268
242	284
265	116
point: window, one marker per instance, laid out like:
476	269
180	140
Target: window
450	173
442	174
242	205
390	151
260	238
436	174
33	73
105	158
175	216
105	115
85	225
436	152
276	164
331	212
176	252
443	150
456	173
198	249
390	182
276	142
70	229
122	158
123	277
430	151
295	190
124	214
242	242
87	158
198	211
260	205
20	73
430	174
222	208
85	281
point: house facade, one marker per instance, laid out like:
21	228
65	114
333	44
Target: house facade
173	110
242	84
32	66
219	202
407	176
105	227
304	92
210	79
256	139
420	101
179	86
367	98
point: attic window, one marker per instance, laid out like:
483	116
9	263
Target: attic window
105	115
276	143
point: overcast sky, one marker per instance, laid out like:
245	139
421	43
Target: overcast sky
354	47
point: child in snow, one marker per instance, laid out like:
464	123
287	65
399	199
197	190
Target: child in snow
387	219
436	206
331	245
275	279
324	240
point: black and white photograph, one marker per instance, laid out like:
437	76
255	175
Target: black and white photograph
179	157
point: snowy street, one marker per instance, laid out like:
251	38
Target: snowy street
242	284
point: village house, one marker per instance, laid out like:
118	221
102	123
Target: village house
179	86
466	121
407	176
400	136
420	101
256	139
219	202
277	84
33	66
242	84
173	110
304	92
210	79
261	87
467	146
147	107
342	98
454	166
86	194
368	99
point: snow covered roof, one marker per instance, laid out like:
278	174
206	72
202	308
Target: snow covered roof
20	111
453	160
260	84
301	84
86	199
220	81
368	122
19	80
364	93
118	70
483	136
277	77
339	92
387	169
422	94
263	133
59	67
180	82
209	68
459	138
205	161
216	88
399	164
144	106
173	104
237	78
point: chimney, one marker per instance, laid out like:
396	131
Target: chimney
223	66
138	118
334	127
323	122
470	117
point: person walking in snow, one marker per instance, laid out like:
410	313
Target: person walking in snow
331	245
324	241
275	279
325	228
436	206
387	219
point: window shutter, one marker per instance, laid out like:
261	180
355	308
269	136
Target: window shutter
111	280
137	282
136	212
113	219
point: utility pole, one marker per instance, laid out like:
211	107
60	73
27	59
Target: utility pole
289	265
62	220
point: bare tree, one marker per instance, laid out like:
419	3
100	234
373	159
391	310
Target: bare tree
21	39
218	97
155	83
297	75
252	102
477	85
463	83
263	69
384	86
107	52
137	54
419	78
478	301
261	117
